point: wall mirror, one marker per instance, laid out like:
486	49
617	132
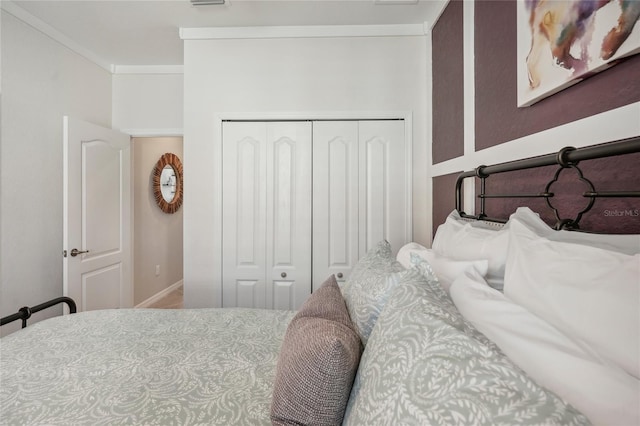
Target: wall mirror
167	183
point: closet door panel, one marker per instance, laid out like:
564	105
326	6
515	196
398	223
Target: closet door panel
382	184
375	191
244	193
335	199
338	183
284	295
247	294
288	214
302	201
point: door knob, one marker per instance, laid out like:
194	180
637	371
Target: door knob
76	252
340	275
283	275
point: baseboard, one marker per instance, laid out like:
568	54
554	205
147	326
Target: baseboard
153	299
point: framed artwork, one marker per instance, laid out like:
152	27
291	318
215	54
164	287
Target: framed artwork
561	42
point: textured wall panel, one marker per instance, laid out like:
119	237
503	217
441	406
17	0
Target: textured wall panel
444	200
448	85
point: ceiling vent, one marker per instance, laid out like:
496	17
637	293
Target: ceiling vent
207	2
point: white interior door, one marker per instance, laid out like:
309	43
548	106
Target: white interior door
266	219
335	199
97	266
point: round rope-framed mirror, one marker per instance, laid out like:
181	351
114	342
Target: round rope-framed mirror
167	183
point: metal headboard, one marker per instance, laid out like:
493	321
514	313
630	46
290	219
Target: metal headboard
567	158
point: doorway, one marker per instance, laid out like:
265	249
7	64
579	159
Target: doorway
157	236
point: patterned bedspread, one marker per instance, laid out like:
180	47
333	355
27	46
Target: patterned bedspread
151	367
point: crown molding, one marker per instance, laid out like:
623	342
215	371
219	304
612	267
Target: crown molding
153	133
148	69
318	31
309	31
46	29
429	25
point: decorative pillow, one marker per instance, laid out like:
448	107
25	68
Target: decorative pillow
460	239
445	268
367	289
579	284
326	302
317	362
605	393
424	364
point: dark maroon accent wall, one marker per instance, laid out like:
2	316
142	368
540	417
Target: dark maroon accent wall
444	200
448	85
498	119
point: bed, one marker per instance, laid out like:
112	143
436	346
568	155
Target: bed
497	323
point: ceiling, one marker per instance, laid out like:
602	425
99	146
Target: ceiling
145	32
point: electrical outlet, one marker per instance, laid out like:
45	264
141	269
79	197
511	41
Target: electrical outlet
157	270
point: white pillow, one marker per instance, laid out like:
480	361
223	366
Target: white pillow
404	254
445	268
604	393
460	239
589	292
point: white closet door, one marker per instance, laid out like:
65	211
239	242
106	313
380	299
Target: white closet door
288	214
335	199
244	219
266	196
382	184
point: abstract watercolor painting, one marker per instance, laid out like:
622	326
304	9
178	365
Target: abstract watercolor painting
561	42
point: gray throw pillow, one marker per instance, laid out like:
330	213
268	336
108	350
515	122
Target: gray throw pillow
317	362
426	365
369	286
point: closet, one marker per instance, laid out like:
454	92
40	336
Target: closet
306	199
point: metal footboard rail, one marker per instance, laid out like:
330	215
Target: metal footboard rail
25	312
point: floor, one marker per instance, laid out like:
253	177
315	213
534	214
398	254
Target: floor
173	300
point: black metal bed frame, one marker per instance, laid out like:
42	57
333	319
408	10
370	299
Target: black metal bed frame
566	158
25	312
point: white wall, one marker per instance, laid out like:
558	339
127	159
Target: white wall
41	82
148	103
157	235
295	75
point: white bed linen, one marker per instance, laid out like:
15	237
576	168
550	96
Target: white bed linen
463	240
445	268
586	285
604	393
